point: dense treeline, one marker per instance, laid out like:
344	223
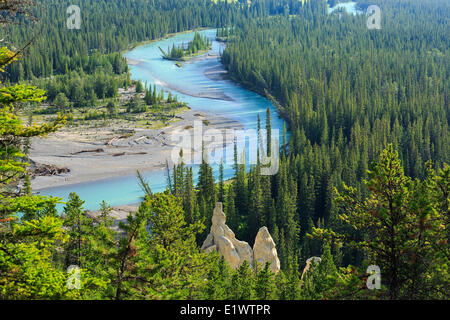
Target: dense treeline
108	27
352	97
83	66
342	85
347	92
76	61
83	89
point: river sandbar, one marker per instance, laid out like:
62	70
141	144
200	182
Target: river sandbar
95	153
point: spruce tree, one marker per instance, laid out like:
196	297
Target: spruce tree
265	285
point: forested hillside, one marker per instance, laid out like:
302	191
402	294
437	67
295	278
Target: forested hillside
347	92
86	61
342	85
363	179
112	26
106	27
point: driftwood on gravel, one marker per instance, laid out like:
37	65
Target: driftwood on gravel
140	138
129	153
142	152
125	136
118	154
111	141
91	150
47	170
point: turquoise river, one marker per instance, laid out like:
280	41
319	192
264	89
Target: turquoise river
190	85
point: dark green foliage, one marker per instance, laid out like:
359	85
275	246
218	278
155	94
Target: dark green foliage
265	285
139	86
199	43
346	93
402	228
79	228
107	27
242	283
350	96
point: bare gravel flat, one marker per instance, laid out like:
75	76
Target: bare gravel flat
94	153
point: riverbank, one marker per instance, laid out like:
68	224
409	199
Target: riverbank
98	151
94	153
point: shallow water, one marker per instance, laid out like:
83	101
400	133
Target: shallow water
222	97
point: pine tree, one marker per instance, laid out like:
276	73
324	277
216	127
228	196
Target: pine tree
219	279
268	133
139	86
293	292
148	98
168	250
221	194
242	283
189	200
400	223
265	286
206	190
79	228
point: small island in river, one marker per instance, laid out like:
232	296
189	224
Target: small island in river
198	46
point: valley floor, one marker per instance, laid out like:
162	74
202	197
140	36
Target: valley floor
99	152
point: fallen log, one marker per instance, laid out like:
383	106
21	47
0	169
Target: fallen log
92	150
118	154
110	141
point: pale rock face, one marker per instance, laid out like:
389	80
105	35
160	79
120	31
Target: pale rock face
244	250
209	242
264	250
223	240
218	217
211	249
228	251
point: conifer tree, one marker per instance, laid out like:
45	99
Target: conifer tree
242	283
79	228
139	86
206	190
219	280
27	246
167	250
221	194
268	133
265	286
398	223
